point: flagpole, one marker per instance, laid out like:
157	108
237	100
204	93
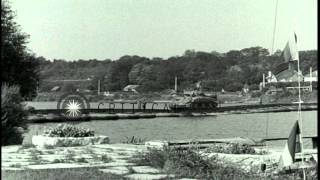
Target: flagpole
299	114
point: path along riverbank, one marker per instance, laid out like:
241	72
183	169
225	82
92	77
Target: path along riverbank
52	115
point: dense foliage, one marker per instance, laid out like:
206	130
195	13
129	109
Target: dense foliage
13	115
65	130
229	71
18	66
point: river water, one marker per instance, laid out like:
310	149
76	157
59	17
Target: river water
179	128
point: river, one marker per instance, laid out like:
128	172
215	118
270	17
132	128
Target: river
179	128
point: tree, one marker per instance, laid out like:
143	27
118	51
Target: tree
13	115
19	67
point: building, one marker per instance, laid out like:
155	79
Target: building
271	77
288	75
313	77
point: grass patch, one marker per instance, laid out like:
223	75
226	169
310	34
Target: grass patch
122	153
81	160
54	174
58	161
88	150
104	158
18	165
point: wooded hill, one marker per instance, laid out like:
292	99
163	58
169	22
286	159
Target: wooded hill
215	70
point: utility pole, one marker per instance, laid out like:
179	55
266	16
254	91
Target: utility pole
263	80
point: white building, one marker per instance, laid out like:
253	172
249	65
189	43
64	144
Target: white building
311	77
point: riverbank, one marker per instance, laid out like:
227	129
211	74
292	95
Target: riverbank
116	161
39	116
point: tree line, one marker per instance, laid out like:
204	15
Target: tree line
216	71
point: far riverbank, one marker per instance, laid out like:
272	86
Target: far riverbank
52	115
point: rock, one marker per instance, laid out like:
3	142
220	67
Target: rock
148	176
156	144
120	170
44	141
145	169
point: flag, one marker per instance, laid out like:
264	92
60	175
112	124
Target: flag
290	52
292	146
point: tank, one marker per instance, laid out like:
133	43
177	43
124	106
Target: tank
195	102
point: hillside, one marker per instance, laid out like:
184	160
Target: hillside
229	71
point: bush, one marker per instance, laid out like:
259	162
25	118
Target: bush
13	115
232	148
256	94
190	163
68	131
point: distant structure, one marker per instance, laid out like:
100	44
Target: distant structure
271	78
245	89
312	76
285	73
131	88
55	89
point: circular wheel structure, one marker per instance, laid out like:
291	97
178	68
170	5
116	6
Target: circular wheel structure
73	105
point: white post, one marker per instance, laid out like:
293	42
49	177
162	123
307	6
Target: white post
263	80
98	87
310	79
175	84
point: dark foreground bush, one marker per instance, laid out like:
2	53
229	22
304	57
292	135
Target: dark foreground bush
66	130
13	115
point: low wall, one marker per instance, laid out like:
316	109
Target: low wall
45	141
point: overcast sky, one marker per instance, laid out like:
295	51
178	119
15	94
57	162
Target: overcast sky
109	29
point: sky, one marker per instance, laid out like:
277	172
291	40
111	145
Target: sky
109	29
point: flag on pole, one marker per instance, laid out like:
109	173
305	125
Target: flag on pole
292	146
290	52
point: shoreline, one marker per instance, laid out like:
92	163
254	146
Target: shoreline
51	115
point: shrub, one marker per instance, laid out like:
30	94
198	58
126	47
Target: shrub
188	163
232	148
13	115
134	140
65	130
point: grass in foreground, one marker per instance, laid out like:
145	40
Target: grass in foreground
190	163
59	174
